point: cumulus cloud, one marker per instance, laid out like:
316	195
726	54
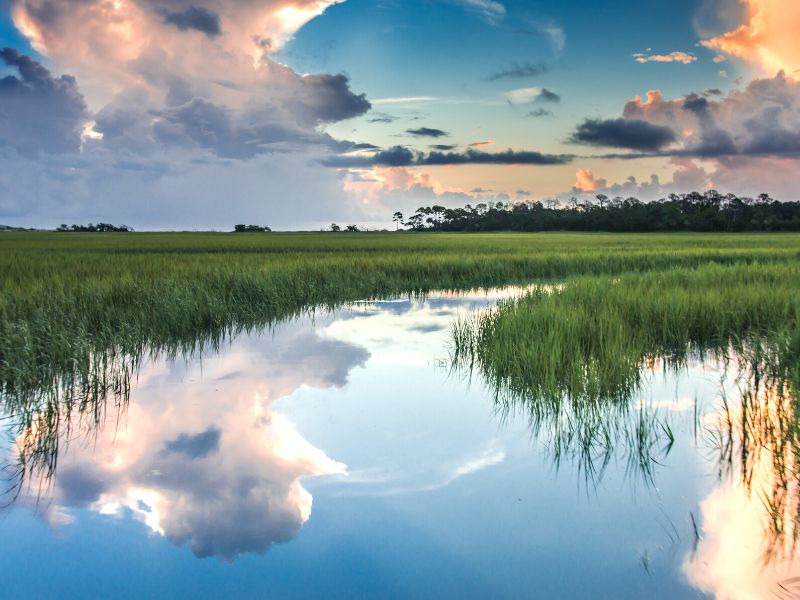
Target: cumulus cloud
763	119
39	112
585	181
746	176
687	176
768	37
136	59
226	479
194	17
164	91
712	139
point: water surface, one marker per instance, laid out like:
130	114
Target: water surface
338	455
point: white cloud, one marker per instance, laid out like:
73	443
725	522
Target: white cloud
170	90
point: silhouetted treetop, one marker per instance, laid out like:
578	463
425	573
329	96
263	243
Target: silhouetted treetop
695	211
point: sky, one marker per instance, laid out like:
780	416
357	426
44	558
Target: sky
200	114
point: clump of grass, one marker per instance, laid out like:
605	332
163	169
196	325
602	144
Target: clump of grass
589	339
572	358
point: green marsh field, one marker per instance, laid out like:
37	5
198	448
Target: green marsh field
65	298
80	313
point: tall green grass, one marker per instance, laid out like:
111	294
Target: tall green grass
589	338
79	312
572	357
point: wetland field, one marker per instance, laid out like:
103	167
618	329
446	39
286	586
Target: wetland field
283	415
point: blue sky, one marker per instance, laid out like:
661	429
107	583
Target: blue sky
310	111
439	49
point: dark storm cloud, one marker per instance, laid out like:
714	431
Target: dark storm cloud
195	446
39	112
400	156
194	17
520	71
427	132
632	134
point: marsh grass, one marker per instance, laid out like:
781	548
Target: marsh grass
573	357
80	312
590	338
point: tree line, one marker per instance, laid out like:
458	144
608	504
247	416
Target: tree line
102	227
695	211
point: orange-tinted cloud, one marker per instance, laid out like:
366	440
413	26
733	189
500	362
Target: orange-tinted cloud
768	38
585	181
680	57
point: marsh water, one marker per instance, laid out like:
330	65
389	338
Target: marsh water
340	455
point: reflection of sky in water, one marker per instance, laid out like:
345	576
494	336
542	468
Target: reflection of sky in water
420	489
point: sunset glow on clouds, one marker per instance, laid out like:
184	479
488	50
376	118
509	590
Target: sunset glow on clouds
141	111
768	38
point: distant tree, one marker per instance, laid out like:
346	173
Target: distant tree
351	228
91	227
251	228
397	218
335	227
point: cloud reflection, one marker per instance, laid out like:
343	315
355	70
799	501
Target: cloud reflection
729	562
202	456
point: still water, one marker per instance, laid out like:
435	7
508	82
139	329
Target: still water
337	455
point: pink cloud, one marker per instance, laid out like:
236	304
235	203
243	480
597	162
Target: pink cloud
679	57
